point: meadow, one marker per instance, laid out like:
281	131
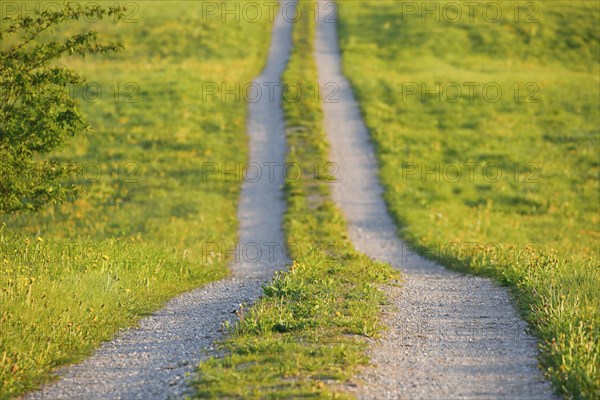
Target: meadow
75	274
487	132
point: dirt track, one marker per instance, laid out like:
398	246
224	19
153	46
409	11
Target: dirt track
450	336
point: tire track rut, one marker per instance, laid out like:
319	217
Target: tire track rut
151	361
450	335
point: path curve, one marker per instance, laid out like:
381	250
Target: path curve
450	335
150	362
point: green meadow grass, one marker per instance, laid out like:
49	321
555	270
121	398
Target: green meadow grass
500	185
305	333
76	273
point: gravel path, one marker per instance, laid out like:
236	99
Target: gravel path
450	335
150	362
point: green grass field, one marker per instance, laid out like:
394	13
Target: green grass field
73	275
505	185
305	333
487	133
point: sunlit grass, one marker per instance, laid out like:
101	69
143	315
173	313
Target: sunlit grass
536	226
75	274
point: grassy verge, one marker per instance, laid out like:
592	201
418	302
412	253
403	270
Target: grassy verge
506	186
303	332
75	274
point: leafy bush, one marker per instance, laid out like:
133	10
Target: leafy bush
37	113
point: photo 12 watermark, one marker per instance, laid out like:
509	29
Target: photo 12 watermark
12	10
271	92
268	172
122	172
256	11
465	249
469	171
265	252
470	92
459	330
117	92
454	12
88	253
